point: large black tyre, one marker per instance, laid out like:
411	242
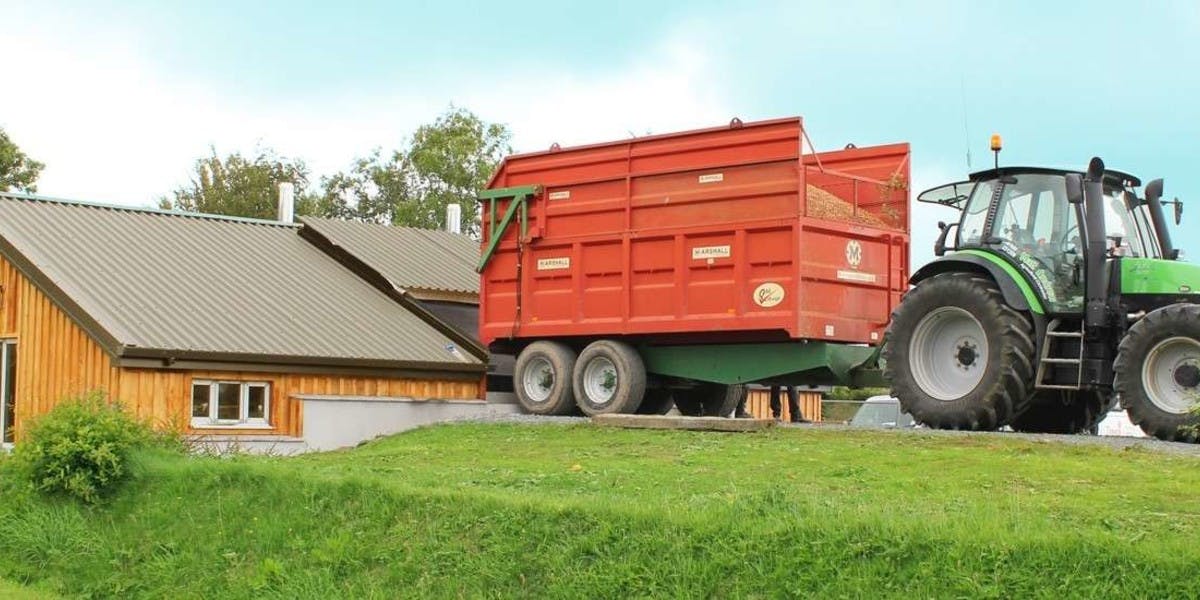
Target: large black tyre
609	378
710	400
957	356
657	401
542	378
1158	372
1064	411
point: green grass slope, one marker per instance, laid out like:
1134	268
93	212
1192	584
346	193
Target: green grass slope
576	511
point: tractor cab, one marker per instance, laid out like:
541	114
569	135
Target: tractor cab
1026	215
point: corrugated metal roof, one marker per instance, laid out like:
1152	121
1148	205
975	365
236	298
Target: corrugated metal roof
206	286
412	259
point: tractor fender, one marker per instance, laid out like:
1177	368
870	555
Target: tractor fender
1017	293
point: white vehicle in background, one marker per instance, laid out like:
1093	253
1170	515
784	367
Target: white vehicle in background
882	411
1117	423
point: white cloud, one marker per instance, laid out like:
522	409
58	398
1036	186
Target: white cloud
113	125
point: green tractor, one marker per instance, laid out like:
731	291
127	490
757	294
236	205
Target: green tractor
1059	294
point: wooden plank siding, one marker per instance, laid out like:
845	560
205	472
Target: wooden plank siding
759	404
57	359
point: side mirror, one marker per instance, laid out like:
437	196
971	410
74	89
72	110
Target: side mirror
1178	210
939	247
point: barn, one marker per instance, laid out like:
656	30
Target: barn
236	331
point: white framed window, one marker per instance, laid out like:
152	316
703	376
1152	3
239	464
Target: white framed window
231	403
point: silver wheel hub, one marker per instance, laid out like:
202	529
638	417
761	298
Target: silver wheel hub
600	380
948	353
1171	374
538	379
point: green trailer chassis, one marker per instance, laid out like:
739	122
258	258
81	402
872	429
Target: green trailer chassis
788	363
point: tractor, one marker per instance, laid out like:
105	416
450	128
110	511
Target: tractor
1056	294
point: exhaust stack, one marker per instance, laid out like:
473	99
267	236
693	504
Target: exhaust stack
1095	272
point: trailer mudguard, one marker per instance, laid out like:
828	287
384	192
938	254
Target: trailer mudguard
1016	290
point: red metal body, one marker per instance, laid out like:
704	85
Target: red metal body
704	236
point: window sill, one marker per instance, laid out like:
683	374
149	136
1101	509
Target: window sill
227	426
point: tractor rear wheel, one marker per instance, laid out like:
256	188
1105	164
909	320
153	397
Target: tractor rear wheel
1058	411
542	378
1158	372
957	356
710	400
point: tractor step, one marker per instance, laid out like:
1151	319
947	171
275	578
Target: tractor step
1047	359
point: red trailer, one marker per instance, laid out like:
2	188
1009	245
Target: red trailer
674	266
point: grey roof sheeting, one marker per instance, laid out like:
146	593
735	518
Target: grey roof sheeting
411	259
150	283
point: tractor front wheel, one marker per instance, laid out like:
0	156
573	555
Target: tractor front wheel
957	356
1158	372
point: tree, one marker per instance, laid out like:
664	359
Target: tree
242	187
444	162
17	170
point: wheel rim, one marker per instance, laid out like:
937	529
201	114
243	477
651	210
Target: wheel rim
538	379
948	353
600	380
1171	374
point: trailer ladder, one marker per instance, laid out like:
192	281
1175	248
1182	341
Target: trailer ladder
520	196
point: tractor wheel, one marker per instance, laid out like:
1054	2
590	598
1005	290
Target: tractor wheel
1158	372
657	401
710	400
610	378
542	378
1056	411
957	356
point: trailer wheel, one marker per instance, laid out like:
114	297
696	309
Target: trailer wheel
657	401
957	356
710	400
610	378
1054	411
542	378
1158	372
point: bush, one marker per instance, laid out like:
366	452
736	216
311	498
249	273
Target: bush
81	447
855	394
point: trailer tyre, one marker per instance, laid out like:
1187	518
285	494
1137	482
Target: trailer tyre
542	378
957	356
609	378
657	401
1158	372
710	400
1054	411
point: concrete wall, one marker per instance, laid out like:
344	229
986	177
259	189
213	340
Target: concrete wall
339	421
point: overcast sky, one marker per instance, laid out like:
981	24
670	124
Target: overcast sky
119	100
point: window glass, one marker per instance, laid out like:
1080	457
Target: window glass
970	231
229	396
256	402
201	394
1123	235
10	389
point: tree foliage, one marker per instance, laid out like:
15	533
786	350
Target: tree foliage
17	170
243	187
444	162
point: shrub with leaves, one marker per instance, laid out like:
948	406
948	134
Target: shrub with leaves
81	447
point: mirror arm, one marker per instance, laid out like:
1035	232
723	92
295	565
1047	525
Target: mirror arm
939	247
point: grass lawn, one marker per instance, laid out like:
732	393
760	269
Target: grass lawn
502	510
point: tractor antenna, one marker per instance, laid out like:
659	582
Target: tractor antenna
962	88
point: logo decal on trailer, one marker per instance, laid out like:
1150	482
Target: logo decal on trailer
563	195
768	294
712	178
551	264
853	253
700	252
